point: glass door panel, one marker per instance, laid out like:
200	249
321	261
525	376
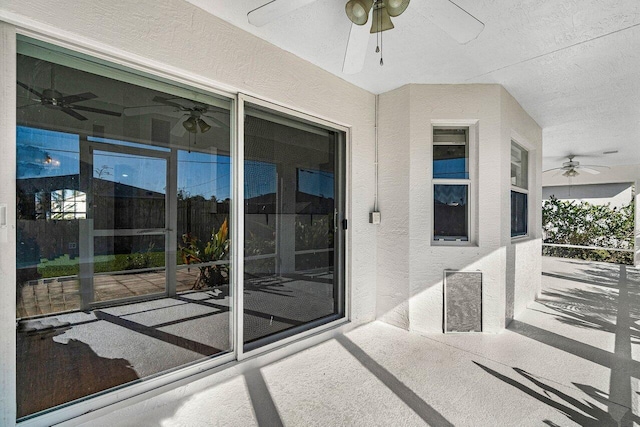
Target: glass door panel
114	168
292	239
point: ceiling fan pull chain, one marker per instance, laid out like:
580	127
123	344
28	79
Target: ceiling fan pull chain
379	48
381	63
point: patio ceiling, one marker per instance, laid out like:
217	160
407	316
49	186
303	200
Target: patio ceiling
574	65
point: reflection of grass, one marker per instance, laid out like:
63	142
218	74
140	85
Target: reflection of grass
63	266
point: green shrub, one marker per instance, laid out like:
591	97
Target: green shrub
583	224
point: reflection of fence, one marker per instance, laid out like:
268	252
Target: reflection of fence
592	253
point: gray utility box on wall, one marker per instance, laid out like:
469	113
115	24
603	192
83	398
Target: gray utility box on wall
462	301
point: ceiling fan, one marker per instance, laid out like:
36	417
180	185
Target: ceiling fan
572	168
451	18
55	100
191	114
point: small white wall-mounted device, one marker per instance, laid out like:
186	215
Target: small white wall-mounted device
374	217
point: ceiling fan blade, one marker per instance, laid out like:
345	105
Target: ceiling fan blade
215	122
33	91
273	10
170	102
356	49
96	110
146	109
453	20
589	170
71	99
179	130
72	113
554	169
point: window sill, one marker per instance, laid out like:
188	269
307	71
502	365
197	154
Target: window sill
452	243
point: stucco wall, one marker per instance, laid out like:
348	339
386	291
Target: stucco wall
181	39
523	264
407	206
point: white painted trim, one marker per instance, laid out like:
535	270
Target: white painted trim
279	107
238	234
8	59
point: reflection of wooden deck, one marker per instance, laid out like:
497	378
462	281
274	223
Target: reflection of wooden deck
48	296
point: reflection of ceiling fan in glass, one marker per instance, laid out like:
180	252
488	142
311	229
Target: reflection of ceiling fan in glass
54	100
573	168
191	114
451	18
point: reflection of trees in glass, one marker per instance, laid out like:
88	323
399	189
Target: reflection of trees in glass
316	232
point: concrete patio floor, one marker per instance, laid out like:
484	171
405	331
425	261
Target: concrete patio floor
572	358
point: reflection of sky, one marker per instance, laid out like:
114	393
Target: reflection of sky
198	173
33	147
149	173
315	182
259	178
204	175
450	168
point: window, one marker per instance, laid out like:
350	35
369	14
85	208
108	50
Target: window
519	190
451	184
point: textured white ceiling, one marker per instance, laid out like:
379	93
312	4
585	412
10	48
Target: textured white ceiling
574	65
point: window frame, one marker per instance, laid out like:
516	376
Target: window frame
470	181
520	190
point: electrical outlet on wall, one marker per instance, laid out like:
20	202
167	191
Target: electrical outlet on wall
374	217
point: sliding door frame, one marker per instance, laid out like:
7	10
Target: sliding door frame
127	394
343	158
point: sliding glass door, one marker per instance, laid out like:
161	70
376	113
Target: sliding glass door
293	221
129	239
123	227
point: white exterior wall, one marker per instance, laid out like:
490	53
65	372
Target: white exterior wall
180	39
393	193
406	203
524	255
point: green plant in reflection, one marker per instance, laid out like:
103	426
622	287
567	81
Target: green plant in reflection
316	233
195	251
140	260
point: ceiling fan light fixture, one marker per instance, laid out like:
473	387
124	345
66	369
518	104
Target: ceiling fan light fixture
204	126
190	124
358	11
396	7
571	173
381	19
